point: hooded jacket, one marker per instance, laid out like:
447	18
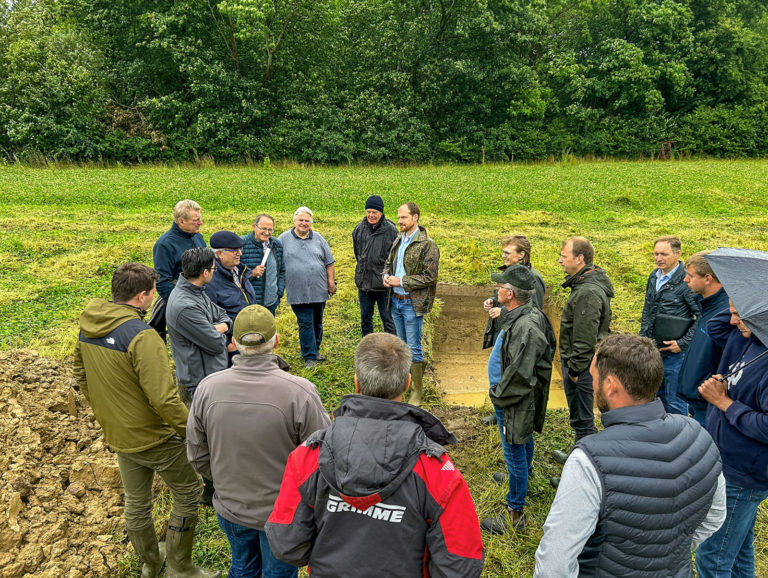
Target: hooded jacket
741	431
421	260
376	494
586	318
121	366
371	247
198	349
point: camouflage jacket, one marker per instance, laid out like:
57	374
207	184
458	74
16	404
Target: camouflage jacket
421	261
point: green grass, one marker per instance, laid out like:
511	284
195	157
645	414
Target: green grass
66	229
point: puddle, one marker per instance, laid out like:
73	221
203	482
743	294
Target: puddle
460	363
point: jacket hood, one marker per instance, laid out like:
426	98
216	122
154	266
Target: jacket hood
592	275
373	445
101	317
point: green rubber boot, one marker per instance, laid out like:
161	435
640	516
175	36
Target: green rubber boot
178	544
151	553
417	387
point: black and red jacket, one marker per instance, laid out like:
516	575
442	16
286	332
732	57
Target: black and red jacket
376	494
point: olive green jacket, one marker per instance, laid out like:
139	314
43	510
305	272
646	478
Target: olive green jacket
121	366
421	261
586	318
527	349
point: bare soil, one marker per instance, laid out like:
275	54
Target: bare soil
61	499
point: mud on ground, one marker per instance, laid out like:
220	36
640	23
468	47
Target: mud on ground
60	491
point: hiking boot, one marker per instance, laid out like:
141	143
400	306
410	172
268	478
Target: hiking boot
499	525
559	457
310	363
500	478
149	551
490	420
179	540
321	359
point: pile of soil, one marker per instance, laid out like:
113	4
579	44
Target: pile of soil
61	497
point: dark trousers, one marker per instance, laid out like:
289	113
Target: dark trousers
310	319
581	399
367	301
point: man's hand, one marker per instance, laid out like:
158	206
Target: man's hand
332	288
392	281
258	271
488	304
221	327
671	346
716	392
494	312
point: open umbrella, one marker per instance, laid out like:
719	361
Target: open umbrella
744	274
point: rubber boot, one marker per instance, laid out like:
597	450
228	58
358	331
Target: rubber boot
178	544
417	377
151	553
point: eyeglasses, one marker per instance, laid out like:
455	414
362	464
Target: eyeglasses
211	268
234	251
506	253
195	221
270	231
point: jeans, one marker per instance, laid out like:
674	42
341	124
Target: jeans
698	411
273	308
169	460
518	458
367	300
581	400
668	390
251	554
408	326
730	551
310	319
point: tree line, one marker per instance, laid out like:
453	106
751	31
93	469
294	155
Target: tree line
335	81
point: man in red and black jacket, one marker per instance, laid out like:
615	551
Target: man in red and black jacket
376	493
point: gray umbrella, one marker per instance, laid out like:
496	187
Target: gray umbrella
744	274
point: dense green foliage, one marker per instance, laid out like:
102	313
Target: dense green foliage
381	80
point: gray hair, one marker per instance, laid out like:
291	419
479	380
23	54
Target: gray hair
521	295
260	349
382	365
306	210
182	209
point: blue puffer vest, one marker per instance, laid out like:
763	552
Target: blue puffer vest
659	474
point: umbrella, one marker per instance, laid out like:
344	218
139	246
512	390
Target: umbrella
744	275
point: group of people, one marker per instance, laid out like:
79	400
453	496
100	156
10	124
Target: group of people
654	485
634	499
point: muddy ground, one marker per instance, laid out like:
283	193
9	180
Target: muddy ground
60	497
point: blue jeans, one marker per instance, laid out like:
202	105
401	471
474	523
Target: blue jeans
408	326
251	554
518	458
367	301
668	390
272	308
730	551
698	411
310	319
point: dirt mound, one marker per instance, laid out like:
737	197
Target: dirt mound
60	490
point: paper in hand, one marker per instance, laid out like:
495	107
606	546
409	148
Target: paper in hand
266	255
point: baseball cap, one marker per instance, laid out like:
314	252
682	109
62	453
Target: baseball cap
254	319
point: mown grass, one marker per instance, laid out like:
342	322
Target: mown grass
66	229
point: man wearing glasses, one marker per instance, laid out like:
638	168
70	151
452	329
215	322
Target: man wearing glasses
230	287
166	254
263	254
196	325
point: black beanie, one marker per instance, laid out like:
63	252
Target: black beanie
375	202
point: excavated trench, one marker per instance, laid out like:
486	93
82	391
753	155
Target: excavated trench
460	362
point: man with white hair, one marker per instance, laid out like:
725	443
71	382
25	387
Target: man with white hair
166	255
309	281
243	424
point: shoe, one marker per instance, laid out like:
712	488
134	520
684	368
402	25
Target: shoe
417	376
150	552
310	363
499	525
500	478
321	359
559	457
179	540
490	420
554	482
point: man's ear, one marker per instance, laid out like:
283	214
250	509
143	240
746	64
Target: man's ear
408	384
277	339
357	386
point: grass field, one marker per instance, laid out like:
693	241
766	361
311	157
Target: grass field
66	229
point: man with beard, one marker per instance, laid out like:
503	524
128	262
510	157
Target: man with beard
372	239
641	495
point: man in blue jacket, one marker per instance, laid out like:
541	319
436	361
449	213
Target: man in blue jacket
267	275
738	422
701	359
